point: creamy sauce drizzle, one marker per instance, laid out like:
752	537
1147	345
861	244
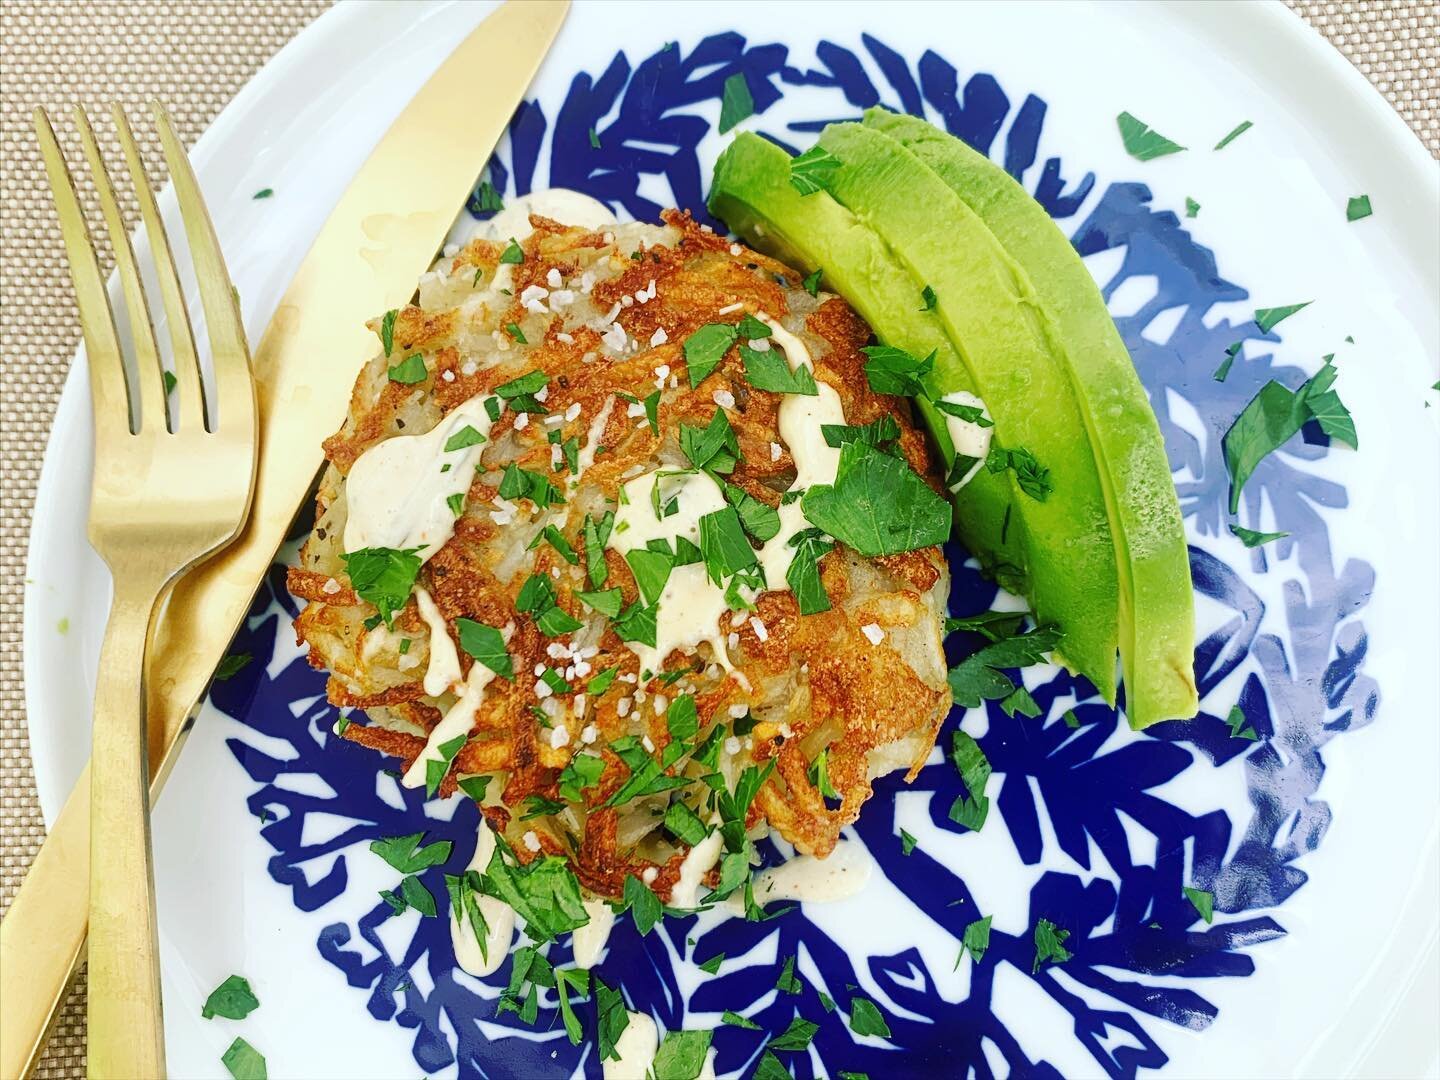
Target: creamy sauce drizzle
557	204
636	1046
396	492
697	863
588	941
457	721
499	919
596	432
968	438
443	671
691	606
843	873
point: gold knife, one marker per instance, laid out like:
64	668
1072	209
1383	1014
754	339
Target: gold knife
376	243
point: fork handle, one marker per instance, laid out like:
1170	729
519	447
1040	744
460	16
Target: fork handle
126	1033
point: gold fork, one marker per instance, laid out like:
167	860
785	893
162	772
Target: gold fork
171	486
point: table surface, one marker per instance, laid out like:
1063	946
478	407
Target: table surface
194	55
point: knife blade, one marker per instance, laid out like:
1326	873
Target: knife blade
379	239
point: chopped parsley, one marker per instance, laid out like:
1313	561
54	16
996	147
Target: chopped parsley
736	104
907	842
644	906
681	1055
485	644
474	786
975	940
895	371
1231	351
1192	208
1032	477
485	199
1235	720
769	1068
734	1019
435	770
543	892
594	139
583	771
710	967
647	777
877	504
243	1061
1203	901
611	1019
464	891
752	329
651	570
865	1018
1251	538
713	448
787	982
552	535
705	348
769	370
811	171
927	299
979	677
263	193
811	284
1235	132
512	253
1277	413
1019	702
466	436
1142	142
405	854
456	502
877	433
387	330
758	519
231	666
414	892
518	483
1269	318
595	533
607	601
168	378
513	329
409	371
970	809
723	545
537	599
803	575
232	999
819	775
1049	944
796	1038
971	414
383	577
636	623
1358	207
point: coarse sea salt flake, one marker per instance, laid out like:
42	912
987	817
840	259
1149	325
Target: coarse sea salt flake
873	632
724	398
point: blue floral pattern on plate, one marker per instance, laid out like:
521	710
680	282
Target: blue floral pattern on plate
1069	798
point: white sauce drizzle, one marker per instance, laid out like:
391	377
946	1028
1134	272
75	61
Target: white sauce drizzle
588	941
636	1046
691	604
968	438
698	862
596	432
557	204
458	720
499	919
843	873
397	491
443	671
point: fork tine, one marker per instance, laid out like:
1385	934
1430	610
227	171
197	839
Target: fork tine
109	392
189	386
142	330
234	384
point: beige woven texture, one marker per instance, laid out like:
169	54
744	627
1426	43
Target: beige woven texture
195	56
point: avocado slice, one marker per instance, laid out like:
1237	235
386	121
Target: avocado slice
751	192
1157	611
992	316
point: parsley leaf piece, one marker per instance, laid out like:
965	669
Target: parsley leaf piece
466	436
532	382
1358	207
769	370
552	535
608	602
1269	318
1238	727
1192	208
263	193
518	483
567	979
1332	416
651	570
405	855
611	1019
387	330
1235	132
865	1018
456	502
1142	142
734	1019
975	940
971	414
537	599
769	1068
682	720
409	371
895	371
383	577
685	824
759	520
705	348
647	777
485	199
1231	351
978	677
600	683
1049	944
710	967
1251	538
474	786
544	892
417	895
907	842
231	666
170	382
512	253
877	505
243	1061
1071	720
682	1054
787	982
752	329
595	533
583	771
993	625
485	644
1033	478
974	768
1204	902
713	448
1019	702
819	775
594	139
927	299
723	545
644	906
878	433
795	1038
803	575
232	999
435	769
636	623
810	172
811	283
513	329
735	102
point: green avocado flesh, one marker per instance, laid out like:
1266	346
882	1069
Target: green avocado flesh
752	194
1157	616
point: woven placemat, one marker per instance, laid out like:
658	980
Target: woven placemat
195	56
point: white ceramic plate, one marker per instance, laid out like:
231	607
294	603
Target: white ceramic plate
1350	986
